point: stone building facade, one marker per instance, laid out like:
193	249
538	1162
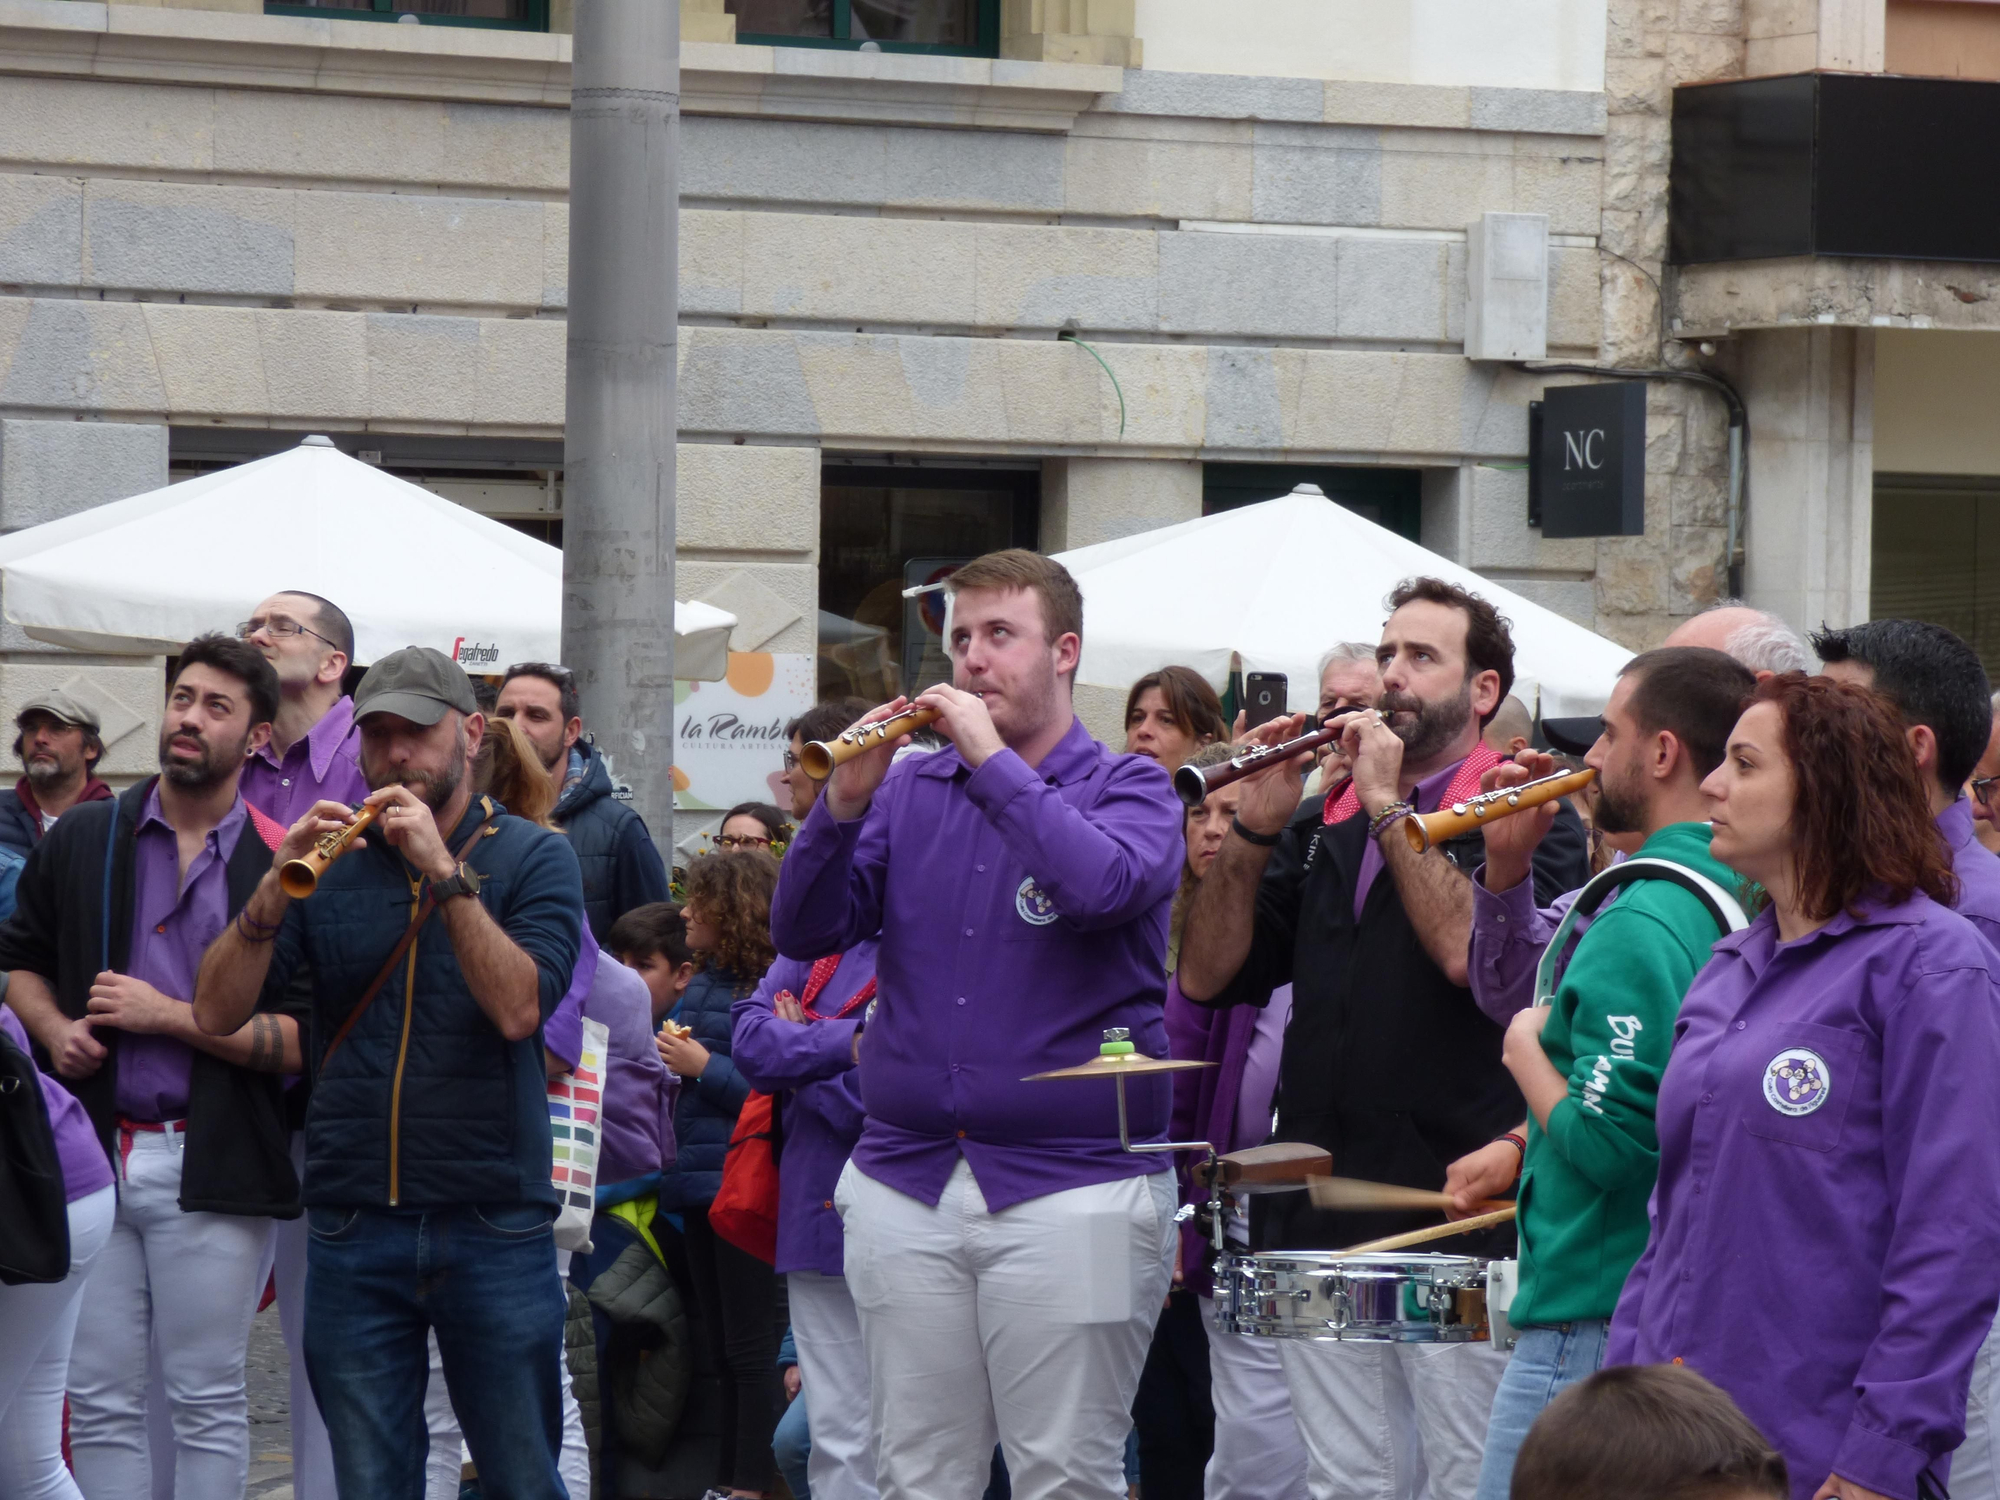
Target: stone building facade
221	229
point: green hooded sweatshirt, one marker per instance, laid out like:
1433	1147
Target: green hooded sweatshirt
1586	1179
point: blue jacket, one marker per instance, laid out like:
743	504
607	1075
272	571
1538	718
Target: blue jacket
622	867
705	1114
429	1106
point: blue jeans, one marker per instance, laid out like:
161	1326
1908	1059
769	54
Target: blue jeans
792	1445
1546	1361
485	1278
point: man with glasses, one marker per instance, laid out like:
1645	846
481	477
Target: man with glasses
315	750
1985	788
314	755
622	868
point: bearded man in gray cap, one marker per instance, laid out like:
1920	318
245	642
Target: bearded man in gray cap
437	948
59	748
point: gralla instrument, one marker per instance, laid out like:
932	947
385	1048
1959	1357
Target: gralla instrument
1381	1299
1426	829
819	758
1193	783
299	878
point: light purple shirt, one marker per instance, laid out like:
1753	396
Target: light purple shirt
822	1113
326	763
1021	912
636	1135
1260	1072
1424	798
1509	933
1977	869
1826	1226
173	922
85	1168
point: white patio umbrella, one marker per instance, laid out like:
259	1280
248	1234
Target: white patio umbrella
1279	582
143	576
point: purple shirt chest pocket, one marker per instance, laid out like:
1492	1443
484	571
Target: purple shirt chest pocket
1797	1083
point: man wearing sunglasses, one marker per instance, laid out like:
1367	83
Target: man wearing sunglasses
315	749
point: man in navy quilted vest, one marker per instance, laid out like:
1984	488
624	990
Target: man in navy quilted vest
437	945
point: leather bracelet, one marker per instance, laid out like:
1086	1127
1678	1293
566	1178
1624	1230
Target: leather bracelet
1513	1139
1394	813
1249	836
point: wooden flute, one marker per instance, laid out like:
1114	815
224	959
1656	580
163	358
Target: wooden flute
1425	829
819	758
300	877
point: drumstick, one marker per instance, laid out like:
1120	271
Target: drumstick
1435	1232
1354	1193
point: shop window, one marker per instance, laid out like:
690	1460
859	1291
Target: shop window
883	530
968	28
506	15
1393	498
1937	557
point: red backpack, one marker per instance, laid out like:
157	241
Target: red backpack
745	1210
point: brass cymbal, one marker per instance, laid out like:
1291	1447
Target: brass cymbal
1125	1065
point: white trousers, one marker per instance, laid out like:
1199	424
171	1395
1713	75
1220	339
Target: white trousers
1030	1325
833	1374
444	1466
1392	1421
37	1325
188	1282
1975	1468
312	1454
1258	1452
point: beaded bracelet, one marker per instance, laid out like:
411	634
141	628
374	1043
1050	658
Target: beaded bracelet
1395	812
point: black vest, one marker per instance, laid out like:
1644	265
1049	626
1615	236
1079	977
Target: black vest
1387	1063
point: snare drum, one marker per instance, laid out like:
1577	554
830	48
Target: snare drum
1396	1299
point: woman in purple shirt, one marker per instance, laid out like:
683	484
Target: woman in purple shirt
37	1322
795	1037
1826	1227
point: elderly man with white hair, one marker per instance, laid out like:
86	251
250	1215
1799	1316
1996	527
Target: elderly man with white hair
1756	637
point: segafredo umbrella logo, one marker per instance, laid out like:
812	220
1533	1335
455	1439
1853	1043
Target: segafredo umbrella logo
1796	1081
474	653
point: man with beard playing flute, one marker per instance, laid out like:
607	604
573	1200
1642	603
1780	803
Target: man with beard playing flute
1007	1258
1388	1062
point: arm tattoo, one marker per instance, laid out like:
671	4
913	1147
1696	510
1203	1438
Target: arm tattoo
267	1045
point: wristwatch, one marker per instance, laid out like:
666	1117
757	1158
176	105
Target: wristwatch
463	882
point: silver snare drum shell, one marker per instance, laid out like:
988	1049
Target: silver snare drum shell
1395	1299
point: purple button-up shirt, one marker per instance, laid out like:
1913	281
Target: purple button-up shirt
1977	869
1509	933
822	1118
325	763
84	1167
1424	797
1021	911
1826	1227
173	922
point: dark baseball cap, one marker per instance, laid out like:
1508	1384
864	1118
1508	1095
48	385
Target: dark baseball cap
415	683
1572	736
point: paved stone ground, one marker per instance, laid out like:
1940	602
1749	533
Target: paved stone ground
269	1375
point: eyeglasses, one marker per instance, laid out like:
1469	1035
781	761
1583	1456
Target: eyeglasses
278	628
791	761
1981	788
739	841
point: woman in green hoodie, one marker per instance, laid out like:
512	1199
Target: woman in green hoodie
1589	1063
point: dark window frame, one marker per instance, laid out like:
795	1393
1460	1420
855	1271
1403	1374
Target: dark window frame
1395	490
987	45
537	18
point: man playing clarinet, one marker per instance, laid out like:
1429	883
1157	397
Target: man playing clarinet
1006	1256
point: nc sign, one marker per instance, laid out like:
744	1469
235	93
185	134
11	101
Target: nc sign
1590	464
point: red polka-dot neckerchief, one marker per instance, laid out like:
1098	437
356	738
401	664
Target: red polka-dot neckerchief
822	975
1463	785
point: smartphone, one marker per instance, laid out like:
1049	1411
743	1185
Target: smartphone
1263	697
